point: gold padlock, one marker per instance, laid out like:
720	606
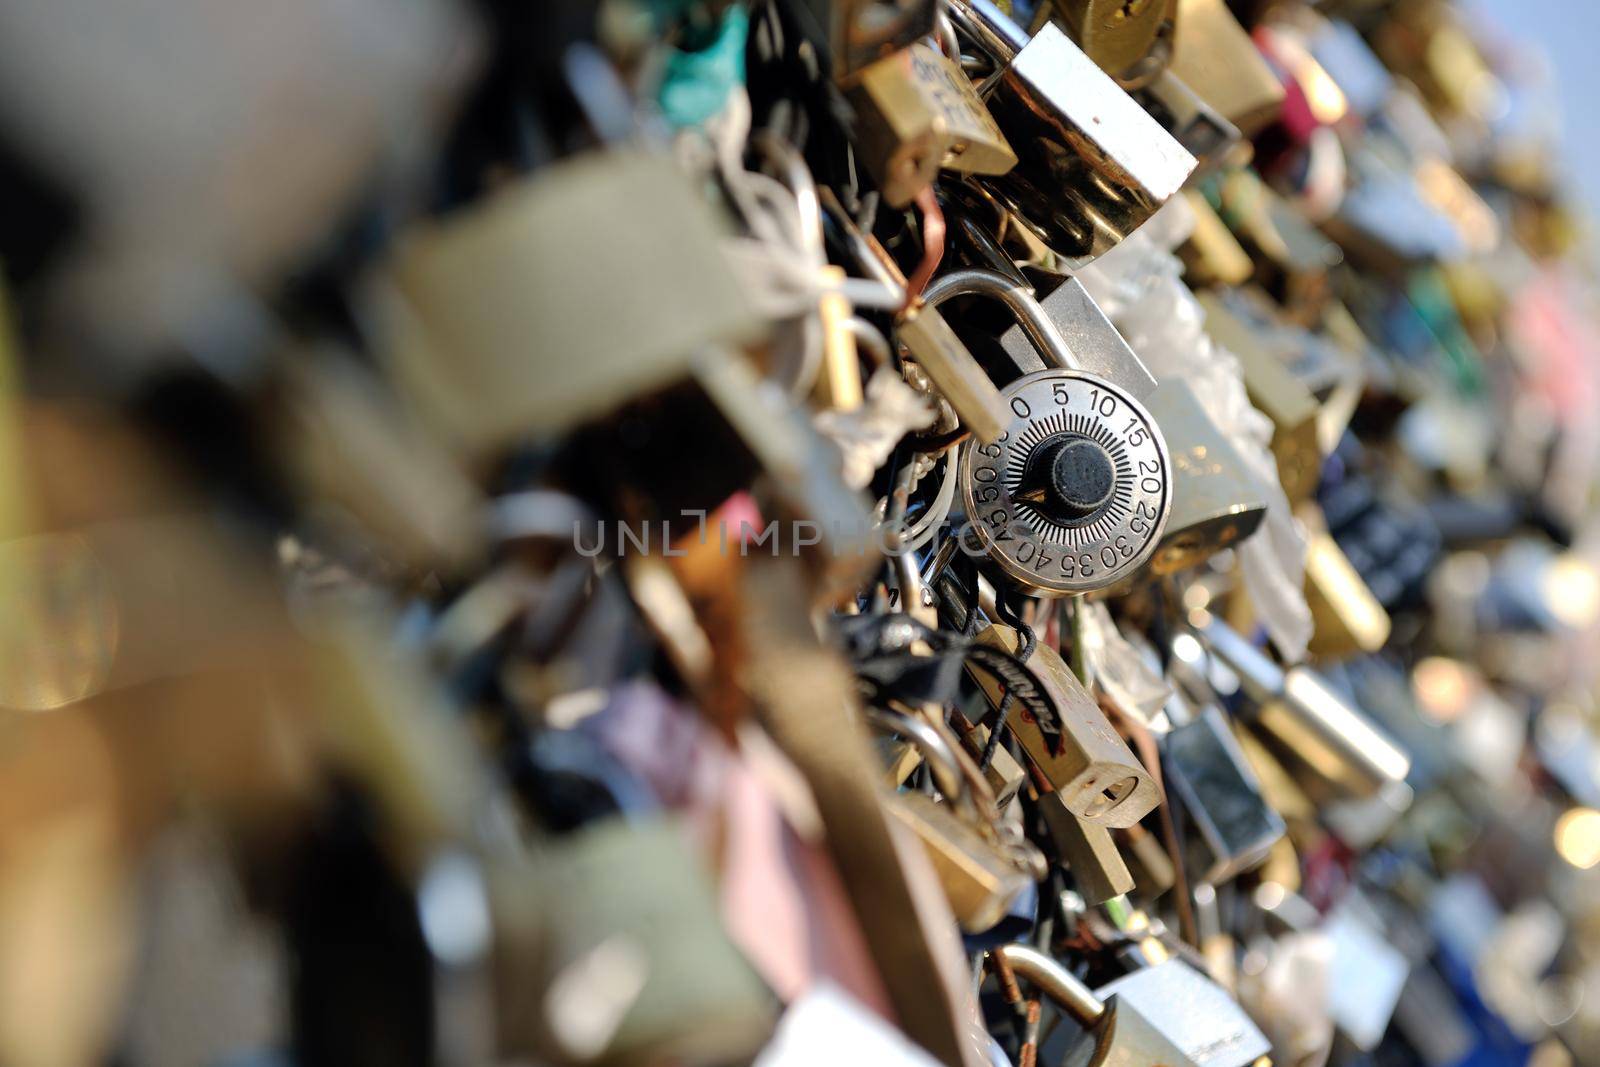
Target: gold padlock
1215	57
917	112
978	879
1278	394
1005	775
936	348
1348	619
929	339
981	873
1088	850
1092	769
1131	40
1212	255
1148	861
1292	256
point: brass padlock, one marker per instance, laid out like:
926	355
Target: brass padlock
927	337
1088	764
935	347
1131	40
1005	775
1292	256
1148	861
917	112
1348	619
1215	57
1088	850
1277	394
981	874
979	880
1212	255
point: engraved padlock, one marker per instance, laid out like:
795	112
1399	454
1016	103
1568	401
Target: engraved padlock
1081	755
1074	495
1092	164
917	112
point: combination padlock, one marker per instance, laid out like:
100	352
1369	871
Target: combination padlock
1073	496
1216	501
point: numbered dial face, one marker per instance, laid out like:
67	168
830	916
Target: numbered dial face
1074	495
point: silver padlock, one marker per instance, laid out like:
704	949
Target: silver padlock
1168	1014
1074	495
1332	739
1205	764
1092	164
1195	124
1217	502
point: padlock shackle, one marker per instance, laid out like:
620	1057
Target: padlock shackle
934	748
1054	981
1031	315
989	28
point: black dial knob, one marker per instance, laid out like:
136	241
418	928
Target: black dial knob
1069	478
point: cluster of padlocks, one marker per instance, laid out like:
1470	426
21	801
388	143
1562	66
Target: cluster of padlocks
615	533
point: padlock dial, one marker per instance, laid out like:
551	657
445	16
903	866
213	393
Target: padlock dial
1075	493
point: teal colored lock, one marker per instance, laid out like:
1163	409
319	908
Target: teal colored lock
695	84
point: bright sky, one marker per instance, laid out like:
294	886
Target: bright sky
1568	31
